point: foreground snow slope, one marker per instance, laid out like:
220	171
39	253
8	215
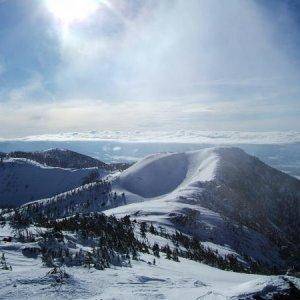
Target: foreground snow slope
23	180
165	280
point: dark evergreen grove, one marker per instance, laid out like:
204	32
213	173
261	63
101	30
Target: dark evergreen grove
112	242
95	196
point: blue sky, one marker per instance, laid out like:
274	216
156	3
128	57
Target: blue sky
148	65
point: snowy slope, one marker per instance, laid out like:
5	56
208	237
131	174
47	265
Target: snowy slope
221	195
23	180
145	178
95	196
166	280
162	173
206	225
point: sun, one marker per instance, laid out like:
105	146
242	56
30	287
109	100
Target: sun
70	11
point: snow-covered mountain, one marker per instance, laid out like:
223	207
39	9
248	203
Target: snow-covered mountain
61	158
222	195
23	180
64	158
228	199
215	207
282	154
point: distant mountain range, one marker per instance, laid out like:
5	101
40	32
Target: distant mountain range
64	158
284	156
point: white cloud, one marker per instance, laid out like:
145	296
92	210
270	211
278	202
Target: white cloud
180	136
177	50
172	65
90	114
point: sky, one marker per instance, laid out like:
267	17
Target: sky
80	65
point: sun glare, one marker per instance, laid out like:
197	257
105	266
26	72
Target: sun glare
70	11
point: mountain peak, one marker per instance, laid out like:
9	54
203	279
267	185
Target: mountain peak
162	173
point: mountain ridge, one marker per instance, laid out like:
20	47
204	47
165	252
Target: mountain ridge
220	195
64	158
225	180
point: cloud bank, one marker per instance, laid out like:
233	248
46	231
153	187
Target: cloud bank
181	136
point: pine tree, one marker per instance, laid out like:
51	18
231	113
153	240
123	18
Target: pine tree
3	263
168	252
175	254
155	250
143	229
134	254
152	229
